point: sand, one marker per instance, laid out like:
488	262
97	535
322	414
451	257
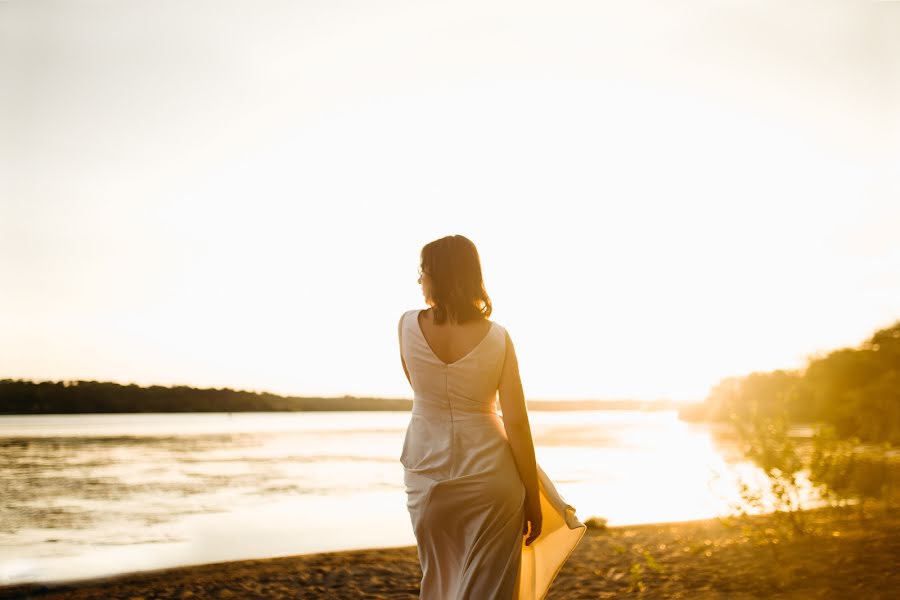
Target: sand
845	557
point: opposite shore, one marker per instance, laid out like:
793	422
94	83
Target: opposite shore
22	397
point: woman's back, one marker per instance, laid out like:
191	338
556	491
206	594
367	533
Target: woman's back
467	383
452	342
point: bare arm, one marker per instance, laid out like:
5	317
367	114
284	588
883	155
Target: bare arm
515	421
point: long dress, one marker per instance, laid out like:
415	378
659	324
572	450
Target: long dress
465	497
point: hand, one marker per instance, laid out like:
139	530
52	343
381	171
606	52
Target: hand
534	517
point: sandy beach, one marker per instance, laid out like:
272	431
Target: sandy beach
844	556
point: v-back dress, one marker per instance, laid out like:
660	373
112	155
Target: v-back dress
465	497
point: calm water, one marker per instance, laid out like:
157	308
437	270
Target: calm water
88	495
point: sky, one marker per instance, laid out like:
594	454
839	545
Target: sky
235	194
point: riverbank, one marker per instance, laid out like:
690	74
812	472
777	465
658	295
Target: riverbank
844	557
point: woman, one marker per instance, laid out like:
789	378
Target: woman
473	486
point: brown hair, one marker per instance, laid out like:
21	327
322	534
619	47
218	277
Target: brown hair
457	288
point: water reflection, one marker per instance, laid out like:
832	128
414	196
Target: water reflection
87	495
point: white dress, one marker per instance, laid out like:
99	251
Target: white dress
465	497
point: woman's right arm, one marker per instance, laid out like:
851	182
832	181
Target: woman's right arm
518	433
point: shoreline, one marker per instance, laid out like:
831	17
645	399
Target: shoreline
844	556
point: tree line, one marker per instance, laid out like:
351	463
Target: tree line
69	397
22	397
855	390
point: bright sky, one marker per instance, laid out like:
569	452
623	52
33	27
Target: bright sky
235	194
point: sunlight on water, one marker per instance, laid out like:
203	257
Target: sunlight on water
87	495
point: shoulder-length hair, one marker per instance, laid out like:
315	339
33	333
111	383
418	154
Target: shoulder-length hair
457	288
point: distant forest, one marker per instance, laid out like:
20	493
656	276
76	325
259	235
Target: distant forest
857	390
19	397
69	397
